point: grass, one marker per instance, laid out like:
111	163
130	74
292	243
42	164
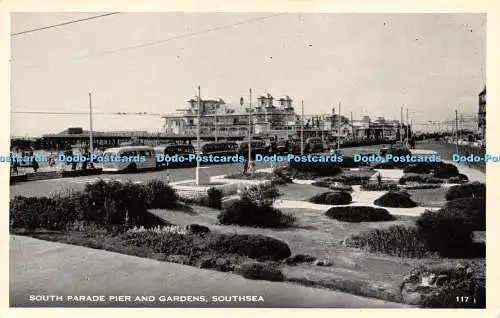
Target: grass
300	192
434	198
354	270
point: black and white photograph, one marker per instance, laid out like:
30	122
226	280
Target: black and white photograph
248	159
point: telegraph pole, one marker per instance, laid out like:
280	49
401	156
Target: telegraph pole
456	125
198	148
215	126
250	131
91	148
407	123
302	130
352	129
338	132
401	127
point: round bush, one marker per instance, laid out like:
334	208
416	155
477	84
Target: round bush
263	271
252	245
359	214
332	198
245	212
318	169
160	195
379	187
473	189
449	234
395	200
298	259
440	169
419	178
214	199
472	210
396	240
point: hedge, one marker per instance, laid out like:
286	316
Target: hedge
104	203
359	214
473	189
449	234
396	240
255	246
440	169
419	178
247	213
332	197
379	187
395	200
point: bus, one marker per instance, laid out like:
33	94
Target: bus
174	149
220	148
143	159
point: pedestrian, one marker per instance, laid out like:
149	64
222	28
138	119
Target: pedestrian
35	165
379	178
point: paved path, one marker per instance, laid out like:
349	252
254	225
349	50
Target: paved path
46	268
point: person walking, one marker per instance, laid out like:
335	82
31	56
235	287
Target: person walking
35	165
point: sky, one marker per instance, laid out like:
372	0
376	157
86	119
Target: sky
373	64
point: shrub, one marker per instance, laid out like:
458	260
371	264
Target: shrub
316	169
264	271
160	195
446	233
114	203
197	229
280	176
337	186
395	200
379	187
472	210
359	214
396	240
255	246
473	189
332	198
440	169
245	212
54	213
214	198
419	178
260	195
299	258
450	283
168	241
422	186
24	213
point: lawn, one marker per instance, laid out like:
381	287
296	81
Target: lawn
299	192
354	271
429	197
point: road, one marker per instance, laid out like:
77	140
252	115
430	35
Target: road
40	268
47	187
